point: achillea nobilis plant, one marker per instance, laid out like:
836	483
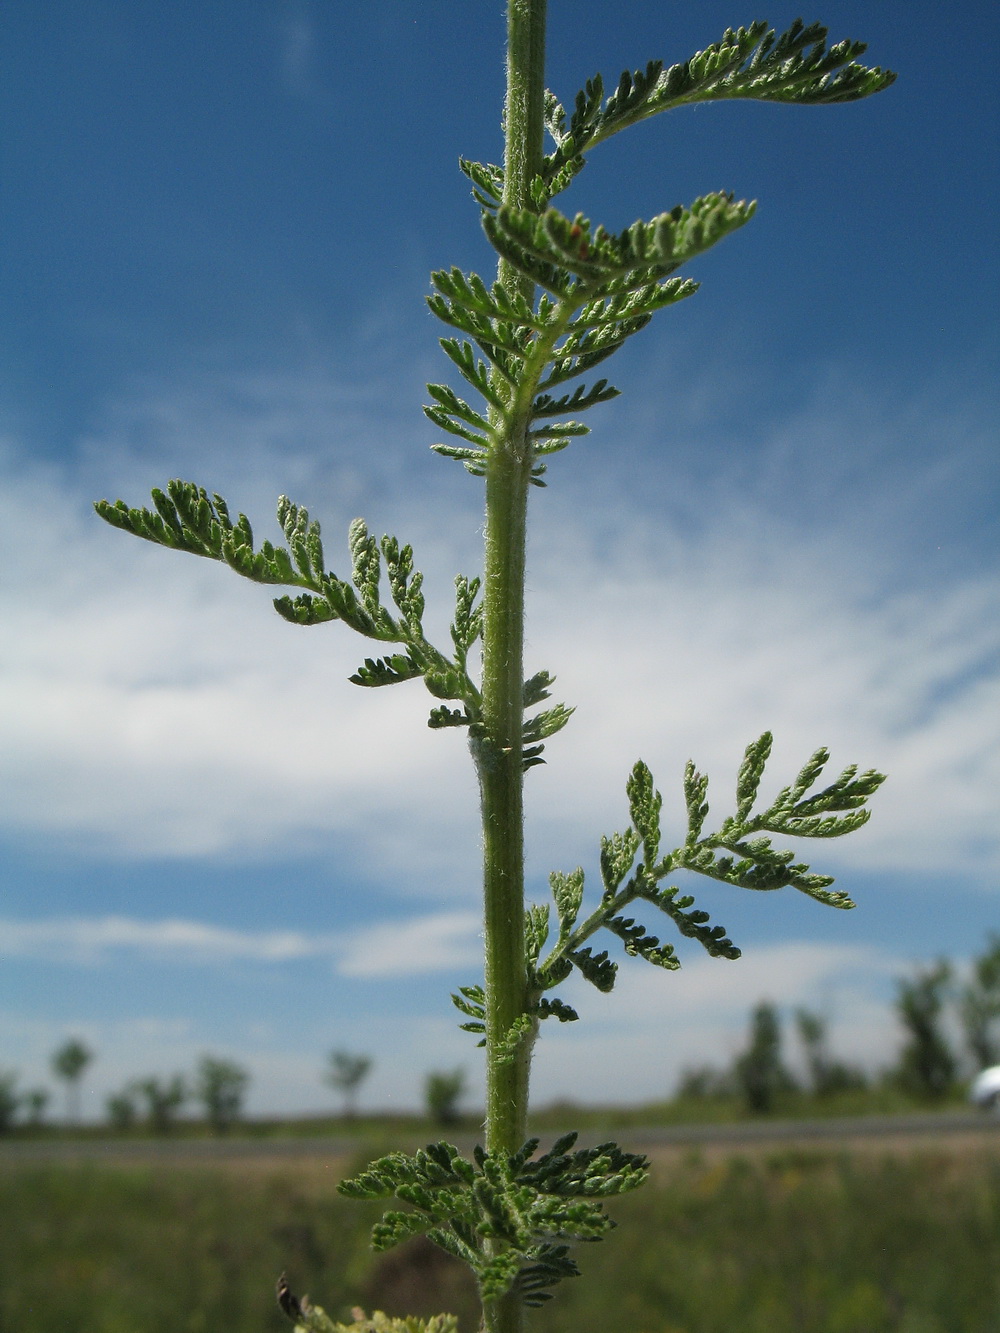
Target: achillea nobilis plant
567	295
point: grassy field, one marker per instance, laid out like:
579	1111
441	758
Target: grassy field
764	1242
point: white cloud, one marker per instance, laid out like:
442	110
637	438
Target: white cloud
907	683
153	707
152	704
400	948
435	943
91	940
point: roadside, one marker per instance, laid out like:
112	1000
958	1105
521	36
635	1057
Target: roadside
956	1129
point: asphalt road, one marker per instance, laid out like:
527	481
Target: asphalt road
745	1133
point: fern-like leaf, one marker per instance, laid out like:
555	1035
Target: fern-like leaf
753	63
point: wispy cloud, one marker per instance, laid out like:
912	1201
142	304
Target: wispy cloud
434	943
297	52
154	705
400	948
91	940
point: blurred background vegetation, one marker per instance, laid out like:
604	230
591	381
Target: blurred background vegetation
786	1242
882	1235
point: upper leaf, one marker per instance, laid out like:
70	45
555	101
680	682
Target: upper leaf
185	519
797	67
560	253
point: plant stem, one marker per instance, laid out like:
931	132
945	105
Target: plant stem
498	752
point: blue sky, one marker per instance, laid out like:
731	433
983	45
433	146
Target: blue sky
218	226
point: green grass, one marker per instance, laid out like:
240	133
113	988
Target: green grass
881	1099
782	1243
801	1243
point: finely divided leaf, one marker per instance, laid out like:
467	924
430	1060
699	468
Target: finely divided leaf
644	807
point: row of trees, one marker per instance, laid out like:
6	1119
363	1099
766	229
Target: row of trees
950	1030
67	1063
443	1089
931	1005
759	1074
219	1086
930	1063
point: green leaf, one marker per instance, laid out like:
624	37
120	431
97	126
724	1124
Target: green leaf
305	610
567	890
366	566
751	771
640	945
453	425
303	538
531	756
446	683
394	1227
695	790
471	1000
604	1170
552	1265
543	725
553	1007
499	343
497	1275
536	930
599	970
746	63
644	807
386	671
505	1051
447	717
515	1208
578	401
467	626
846	793
475	371
560	253
487	181
536	689
185	519
694	924
617	858
477	457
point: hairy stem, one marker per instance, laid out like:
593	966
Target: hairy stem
498	751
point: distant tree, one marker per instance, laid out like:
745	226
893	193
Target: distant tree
826	1074
35	1100
9	1099
163	1101
979	1006
704	1082
346	1073
927	1064
68	1063
759	1071
121	1108
221	1086
443	1091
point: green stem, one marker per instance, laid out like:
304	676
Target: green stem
498	751
581	934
